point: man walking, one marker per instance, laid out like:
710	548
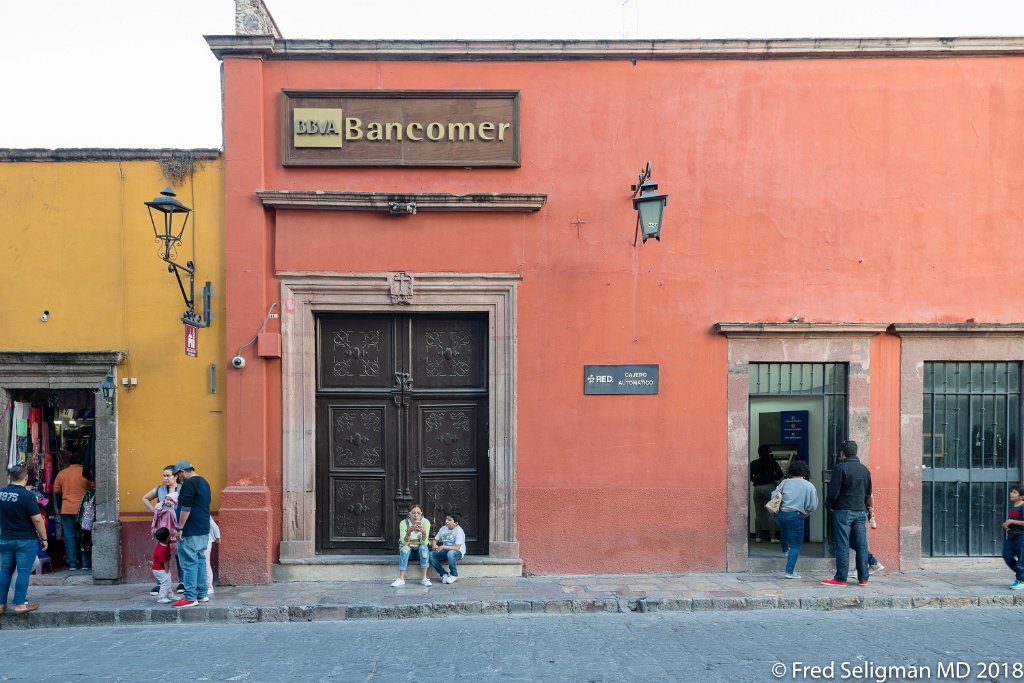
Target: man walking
193	533
71	485
848	493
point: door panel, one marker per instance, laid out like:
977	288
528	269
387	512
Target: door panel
354	473
449	353
356	353
450	446
401	417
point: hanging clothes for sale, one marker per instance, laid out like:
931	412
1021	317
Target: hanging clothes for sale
19	433
35	419
89	458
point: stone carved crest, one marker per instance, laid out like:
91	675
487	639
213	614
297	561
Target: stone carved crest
401	287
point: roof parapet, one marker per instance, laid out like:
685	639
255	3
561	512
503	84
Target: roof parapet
268	46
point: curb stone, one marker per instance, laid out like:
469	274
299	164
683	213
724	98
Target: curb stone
135	616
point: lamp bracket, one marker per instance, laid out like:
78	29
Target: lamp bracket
402	208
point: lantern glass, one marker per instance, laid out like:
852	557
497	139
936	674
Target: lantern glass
650	209
168	206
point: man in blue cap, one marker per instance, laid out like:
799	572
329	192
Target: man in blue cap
193	533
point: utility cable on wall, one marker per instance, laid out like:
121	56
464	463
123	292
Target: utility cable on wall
238	361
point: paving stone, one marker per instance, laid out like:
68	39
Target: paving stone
816	603
132	616
846	601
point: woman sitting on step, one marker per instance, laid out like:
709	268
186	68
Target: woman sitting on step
413	534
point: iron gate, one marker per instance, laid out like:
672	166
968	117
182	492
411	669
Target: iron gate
972	424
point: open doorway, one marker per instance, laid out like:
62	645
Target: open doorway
793	427
801	409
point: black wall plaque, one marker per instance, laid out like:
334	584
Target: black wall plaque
620	379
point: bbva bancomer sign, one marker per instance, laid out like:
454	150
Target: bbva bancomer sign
400	128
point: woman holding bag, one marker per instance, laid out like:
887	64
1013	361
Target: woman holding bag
799	500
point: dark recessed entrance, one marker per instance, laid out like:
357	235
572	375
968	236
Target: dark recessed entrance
401	418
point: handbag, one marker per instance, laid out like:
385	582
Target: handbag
88	512
775	504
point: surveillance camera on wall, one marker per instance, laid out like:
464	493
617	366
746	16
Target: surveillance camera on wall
238	362
45	316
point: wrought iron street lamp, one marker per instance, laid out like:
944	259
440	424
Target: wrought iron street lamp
169	218
650	206
108	387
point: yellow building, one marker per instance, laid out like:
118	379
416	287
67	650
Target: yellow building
85	296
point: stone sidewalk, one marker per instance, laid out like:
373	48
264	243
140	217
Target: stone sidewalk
84	604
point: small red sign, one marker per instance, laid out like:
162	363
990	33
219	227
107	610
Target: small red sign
191	341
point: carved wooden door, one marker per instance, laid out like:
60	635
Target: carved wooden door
402	404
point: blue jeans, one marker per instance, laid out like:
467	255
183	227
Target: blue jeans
850	530
20	554
1013	555
405	552
72	539
452	557
192	565
791	530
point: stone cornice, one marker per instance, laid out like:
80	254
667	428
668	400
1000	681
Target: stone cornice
957	329
400	203
800	329
268	47
104	154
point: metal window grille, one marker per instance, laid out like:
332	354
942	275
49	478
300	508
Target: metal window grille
971	455
808	379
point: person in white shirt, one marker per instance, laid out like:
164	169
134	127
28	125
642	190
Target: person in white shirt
450	547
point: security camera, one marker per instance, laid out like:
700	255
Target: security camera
238	362
45	316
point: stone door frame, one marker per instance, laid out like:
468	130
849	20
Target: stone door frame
942	342
76	370
303	295
848	343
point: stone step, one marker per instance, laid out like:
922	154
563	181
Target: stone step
381	567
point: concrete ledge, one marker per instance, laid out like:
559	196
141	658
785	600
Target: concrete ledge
377	568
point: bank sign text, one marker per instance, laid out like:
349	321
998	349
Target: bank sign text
401	128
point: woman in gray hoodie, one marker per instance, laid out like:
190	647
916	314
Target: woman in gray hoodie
799	500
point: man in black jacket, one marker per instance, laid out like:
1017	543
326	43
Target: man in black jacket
848	492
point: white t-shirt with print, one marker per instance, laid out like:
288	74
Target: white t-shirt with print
454	536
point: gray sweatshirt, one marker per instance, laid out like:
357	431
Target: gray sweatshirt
798	495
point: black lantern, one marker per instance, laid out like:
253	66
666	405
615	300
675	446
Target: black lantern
107	387
169	217
649	205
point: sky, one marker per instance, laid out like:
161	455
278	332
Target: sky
138	73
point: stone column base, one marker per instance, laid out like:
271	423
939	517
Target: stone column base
245	547
106	551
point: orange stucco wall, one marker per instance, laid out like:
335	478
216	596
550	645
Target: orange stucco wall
849	190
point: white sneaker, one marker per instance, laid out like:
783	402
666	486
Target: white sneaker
204	599
792	576
425	582
209	591
878	567
452	579
444	579
164	601
397	582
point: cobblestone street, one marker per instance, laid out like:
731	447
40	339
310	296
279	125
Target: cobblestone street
692	647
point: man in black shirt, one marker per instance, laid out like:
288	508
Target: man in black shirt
193	533
21	524
848	493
